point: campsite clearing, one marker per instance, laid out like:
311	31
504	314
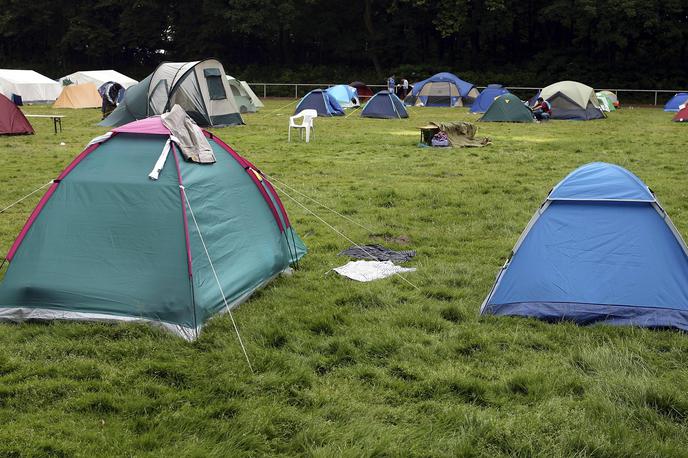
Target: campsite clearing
360	369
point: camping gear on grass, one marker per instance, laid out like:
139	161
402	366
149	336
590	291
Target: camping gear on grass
346	96
320	101
460	134
674	103
365	271
12	120
108	243
199	87
599	249
362	89
384	105
605	102
245	98
97	77
377	253
612	98
31	86
571	100
486	97
79	96
442	90
507	108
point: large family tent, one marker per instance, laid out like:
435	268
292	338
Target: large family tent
572	100
245	98
346	96
12	120
674	103
79	96
98	77
200	88
362	89
486	97
682	115
320	101
600	249
384	105
108	243
442	90
31	86
507	108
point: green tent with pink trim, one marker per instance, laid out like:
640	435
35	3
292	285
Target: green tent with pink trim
108	243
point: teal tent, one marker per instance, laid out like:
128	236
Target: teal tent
108	243
507	108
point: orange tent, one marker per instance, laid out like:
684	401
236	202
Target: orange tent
79	96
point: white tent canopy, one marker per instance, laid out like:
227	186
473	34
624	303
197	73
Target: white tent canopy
99	77
30	85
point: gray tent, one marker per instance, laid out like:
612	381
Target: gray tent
572	100
245	98
200	88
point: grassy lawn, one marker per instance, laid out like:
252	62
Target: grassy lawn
345	368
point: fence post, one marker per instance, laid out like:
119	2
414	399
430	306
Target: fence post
296	91
265	90
655	97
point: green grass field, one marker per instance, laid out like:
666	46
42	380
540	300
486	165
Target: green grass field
377	369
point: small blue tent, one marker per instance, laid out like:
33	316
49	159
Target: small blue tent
442	90
322	102
347	96
384	105
676	101
485	99
600	249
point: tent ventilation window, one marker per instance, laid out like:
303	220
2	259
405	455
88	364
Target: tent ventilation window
216	88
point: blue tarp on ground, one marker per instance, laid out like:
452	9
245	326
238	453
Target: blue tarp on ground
599	250
385	106
322	102
485	99
677	100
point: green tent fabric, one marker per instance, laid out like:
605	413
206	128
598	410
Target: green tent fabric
606	103
108	243
507	108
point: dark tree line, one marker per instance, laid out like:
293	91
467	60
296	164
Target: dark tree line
630	43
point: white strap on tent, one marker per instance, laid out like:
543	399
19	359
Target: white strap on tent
217	279
100	138
157	168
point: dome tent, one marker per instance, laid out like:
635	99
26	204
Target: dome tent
442	90
571	100
322	102
599	249
79	96
362	89
486	97
384	105
346	96
245	98
98	77
674	103
682	115
199	87
507	108
108	243
12	120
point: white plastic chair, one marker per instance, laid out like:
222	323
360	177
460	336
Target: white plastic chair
306	124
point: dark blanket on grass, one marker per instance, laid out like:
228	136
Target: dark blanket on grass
378	253
462	134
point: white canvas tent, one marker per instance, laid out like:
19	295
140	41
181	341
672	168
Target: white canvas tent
246	99
31	86
99	77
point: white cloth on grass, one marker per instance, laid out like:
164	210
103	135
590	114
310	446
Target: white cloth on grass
370	270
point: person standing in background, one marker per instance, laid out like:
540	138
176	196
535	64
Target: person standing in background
404	88
390	84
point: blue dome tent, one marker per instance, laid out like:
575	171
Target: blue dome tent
442	90
346	96
385	106
676	101
600	249
485	99
322	102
